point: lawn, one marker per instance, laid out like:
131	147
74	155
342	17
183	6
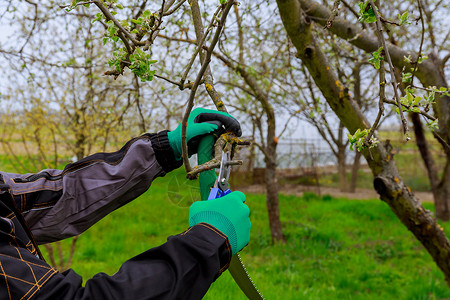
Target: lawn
336	248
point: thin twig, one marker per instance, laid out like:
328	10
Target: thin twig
240	34
382	93
78	4
199	32
199	47
425	114
354	12
210	165
182	87
389	22
156	28
334	13
34	25
167	13
205	64
391	69
109	16
416	63
428	89
445	59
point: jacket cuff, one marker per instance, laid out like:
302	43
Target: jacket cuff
163	151
216	238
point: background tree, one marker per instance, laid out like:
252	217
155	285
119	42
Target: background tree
387	181
429	71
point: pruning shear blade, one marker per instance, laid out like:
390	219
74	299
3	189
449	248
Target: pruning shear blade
224	171
220	187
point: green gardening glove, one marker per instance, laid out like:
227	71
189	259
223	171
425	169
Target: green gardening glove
229	214
200	123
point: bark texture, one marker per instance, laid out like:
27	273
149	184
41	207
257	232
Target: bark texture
387	181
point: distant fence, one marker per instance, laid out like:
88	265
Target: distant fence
297	153
313	158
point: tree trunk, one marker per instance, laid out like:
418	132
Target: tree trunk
270	159
342	169
440	200
80	145
355	169
272	202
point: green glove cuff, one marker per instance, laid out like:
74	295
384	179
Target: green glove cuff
228	214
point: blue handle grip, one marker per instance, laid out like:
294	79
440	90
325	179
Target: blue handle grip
217	193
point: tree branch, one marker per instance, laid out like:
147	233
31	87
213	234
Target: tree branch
205	65
392	71
419	55
125	32
334	13
199	32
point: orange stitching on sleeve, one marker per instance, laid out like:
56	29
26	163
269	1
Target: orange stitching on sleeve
213	229
31	263
18	279
36	189
6	279
46	204
38	286
26	182
189	229
21	258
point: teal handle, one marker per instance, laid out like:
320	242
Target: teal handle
205	154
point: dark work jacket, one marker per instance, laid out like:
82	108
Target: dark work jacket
56	204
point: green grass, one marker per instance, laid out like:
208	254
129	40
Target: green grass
336	248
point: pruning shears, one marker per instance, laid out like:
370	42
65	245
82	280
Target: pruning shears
220	187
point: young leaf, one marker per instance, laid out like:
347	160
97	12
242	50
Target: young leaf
406	77
404	18
377	57
366	13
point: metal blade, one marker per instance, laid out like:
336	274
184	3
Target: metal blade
224	171
243	280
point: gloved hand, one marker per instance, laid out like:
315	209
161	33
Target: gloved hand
229	214
201	122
